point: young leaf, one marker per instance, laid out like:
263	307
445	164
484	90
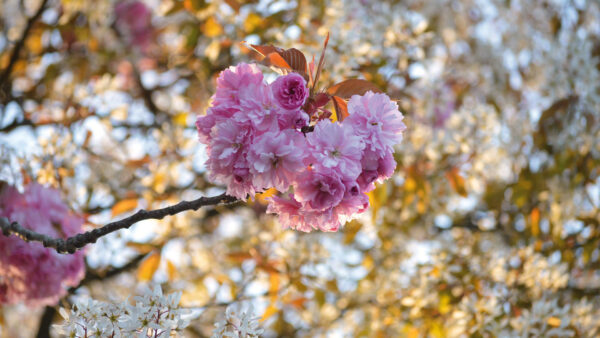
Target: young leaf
341	108
347	88
321	61
295	59
275	59
265	50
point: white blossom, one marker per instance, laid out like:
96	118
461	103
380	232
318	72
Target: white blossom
152	315
238	324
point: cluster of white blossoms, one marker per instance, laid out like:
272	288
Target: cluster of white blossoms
238	324
152	315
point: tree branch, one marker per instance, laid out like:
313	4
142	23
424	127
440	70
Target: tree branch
20	43
72	244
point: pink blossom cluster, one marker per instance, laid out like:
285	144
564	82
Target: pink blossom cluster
259	136
29	272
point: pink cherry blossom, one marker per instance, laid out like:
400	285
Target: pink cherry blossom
257	108
276	157
227	162
232	80
290	213
335	146
290	91
377	120
321	190
29	272
260	136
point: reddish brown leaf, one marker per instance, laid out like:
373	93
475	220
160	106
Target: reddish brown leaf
321	99
234	4
295	59
321	62
265	50
341	108
347	88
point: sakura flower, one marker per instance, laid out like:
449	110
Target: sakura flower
227	158
335	146
290	91
290	213
257	108
320	189
231	80
276	157
377	120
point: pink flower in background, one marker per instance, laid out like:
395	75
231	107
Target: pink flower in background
377	120
290	91
133	19
29	272
276	157
335	146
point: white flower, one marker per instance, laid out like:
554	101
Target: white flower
238	324
153	315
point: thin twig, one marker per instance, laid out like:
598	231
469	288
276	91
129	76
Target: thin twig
20	43
72	244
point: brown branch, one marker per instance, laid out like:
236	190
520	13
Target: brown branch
72	244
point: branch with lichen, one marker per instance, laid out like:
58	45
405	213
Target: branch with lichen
74	243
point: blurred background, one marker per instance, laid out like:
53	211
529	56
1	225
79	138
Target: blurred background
490	226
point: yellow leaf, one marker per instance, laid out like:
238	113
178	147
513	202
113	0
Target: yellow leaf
261	198
212	28
378	198
252	22
553	321
148	267
171	270
34	43
180	119
271	310
273	286
124	206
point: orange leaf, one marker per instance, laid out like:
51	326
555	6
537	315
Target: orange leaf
124	206
535	221
341	108
239	256
148	267
275	59
347	88
457	182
